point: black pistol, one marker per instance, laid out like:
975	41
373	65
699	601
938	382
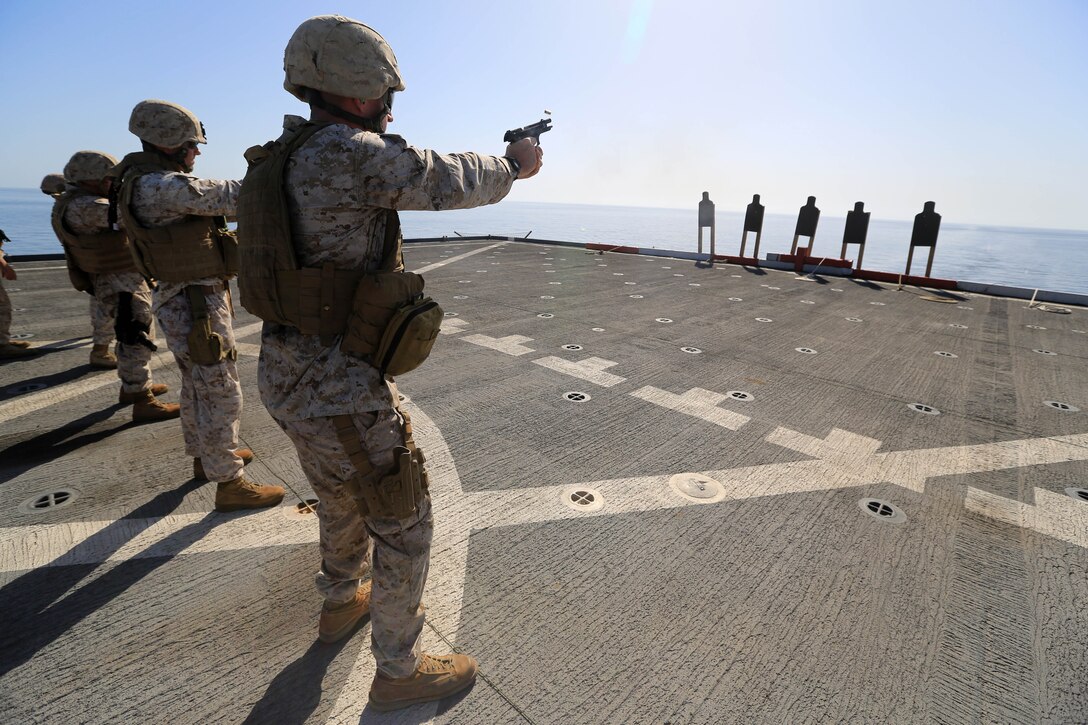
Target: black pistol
532	131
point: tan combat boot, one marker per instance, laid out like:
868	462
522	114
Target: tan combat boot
101	357
338	620
198	468
435	678
130	398
148	408
241	493
19	343
10	351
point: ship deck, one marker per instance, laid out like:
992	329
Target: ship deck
664	493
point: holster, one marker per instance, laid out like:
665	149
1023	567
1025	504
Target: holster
128	329
398	494
206	347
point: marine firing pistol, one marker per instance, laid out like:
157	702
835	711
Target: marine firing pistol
532	131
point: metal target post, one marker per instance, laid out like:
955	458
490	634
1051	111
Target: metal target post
706	219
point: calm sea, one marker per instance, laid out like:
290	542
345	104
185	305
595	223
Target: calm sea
1034	258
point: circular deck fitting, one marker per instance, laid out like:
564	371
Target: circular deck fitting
21	336
635	297
572	346
807	302
1080	332
481	271
25	388
598	329
942	353
764	319
464	281
666	268
738	276
934	298
460	297
1043	352
923	408
878	304
555	283
697	487
1035	327
854	319
617	274
882	510
549	258
694	284
740	395
494	263
663	320
691	350
302	509
836	289
1059	405
545	315
957	325
677	274
1077	494
602	265
49	501
805	350
576	396
450	314
547	297
774	288
549	271
966	308
736	299
583	499
631	283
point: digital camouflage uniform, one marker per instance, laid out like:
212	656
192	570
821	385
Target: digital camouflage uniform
211	395
339	185
5	308
88	214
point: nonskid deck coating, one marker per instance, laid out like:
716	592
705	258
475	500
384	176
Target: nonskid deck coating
777	599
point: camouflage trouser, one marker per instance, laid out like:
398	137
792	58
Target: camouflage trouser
211	395
133	361
5	315
102	320
401	550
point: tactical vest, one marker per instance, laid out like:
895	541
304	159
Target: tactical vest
319	300
192	249
102	253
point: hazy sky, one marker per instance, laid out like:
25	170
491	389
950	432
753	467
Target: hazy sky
980	106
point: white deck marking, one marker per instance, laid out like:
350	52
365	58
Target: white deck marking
511	344
591	369
458	258
24	270
842	460
453	326
697	402
33	402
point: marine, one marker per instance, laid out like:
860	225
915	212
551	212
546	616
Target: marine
9	348
100	262
176	224
102	334
326	194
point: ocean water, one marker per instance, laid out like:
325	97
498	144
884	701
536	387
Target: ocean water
1034	258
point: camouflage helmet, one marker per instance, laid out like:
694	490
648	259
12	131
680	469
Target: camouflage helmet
342	56
166	124
53	184
88	166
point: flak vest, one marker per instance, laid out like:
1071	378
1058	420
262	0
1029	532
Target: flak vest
195	248
381	315
106	252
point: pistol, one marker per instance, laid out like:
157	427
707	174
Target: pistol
533	131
